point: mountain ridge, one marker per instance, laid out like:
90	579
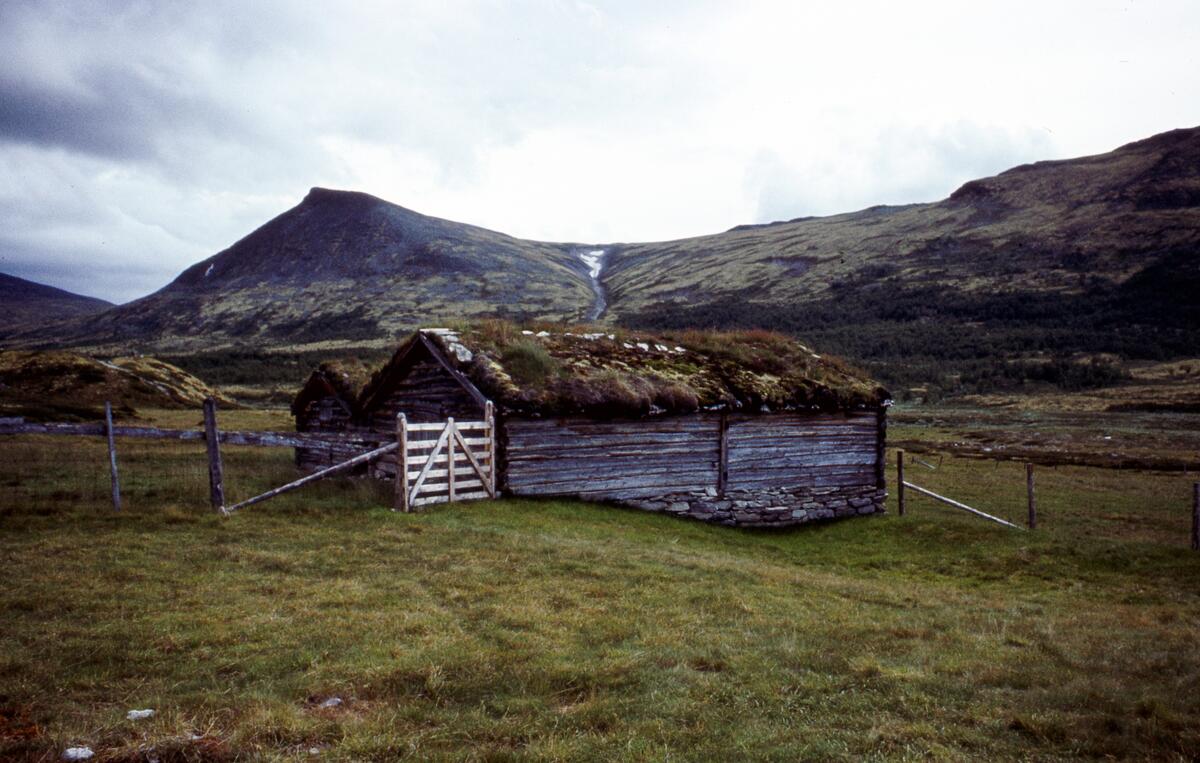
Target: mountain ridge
24	302
1059	258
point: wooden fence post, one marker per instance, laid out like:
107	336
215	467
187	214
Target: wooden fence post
900	481
400	501
450	457
112	456
489	412
1030	496
216	477
1196	516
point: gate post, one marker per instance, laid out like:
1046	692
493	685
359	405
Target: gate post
400	499
489	411
450	457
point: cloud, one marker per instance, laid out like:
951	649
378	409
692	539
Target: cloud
137	138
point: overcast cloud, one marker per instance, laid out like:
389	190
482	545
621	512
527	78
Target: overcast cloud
139	137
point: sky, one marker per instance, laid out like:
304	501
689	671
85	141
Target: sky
137	138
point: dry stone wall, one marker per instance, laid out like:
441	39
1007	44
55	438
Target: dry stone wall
769	507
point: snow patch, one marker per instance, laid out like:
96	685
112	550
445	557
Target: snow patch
208	271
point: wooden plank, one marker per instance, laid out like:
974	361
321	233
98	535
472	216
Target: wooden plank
471	460
400	490
472	496
962	506
474	442
450	455
440	458
415	489
438	426
362	459
489	413
440	474
433	486
216	478
112	456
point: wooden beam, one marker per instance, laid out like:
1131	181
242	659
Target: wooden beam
112	456
360	459
400	495
420	480
900	482
450	454
962	506
216	477
489	415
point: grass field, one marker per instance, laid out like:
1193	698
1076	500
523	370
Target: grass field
565	630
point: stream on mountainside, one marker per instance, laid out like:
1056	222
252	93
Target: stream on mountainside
594	260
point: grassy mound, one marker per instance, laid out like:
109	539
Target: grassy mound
56	385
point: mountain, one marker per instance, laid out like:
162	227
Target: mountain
344	266
28	303
1051	272
1024	275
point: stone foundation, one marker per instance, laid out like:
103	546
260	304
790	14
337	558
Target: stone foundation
769	507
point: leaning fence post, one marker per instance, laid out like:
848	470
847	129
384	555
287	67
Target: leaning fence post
112	456
216	478
400	501
1196	516
1030	496
900	481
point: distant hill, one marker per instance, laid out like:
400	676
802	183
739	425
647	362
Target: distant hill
1051	272
344	266
56	385
25	303
1023	277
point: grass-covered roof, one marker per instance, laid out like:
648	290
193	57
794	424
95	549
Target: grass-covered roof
562	370
343	379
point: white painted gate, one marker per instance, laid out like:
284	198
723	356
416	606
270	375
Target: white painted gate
458	464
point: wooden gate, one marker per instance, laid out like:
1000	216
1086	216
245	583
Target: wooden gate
445	461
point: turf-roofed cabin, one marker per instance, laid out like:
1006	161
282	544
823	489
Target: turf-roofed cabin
328	402
749	428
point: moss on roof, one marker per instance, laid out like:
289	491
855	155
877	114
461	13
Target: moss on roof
556	370
344	378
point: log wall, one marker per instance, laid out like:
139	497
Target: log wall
426	393
611	459
782	469
325	414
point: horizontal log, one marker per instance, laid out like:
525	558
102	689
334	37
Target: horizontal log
807	461
263	439
665	483
603	470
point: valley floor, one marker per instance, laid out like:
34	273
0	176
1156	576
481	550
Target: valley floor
565	630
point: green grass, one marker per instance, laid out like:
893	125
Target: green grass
564	630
